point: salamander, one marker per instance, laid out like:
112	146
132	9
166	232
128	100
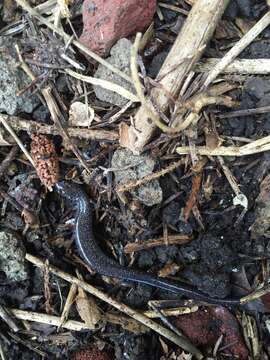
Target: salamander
102	264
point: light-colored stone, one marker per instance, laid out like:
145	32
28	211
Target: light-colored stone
132	167
120	58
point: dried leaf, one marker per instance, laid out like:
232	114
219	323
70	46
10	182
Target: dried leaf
164	346
169	269
70	299
30	218
124	139
80	114
87	309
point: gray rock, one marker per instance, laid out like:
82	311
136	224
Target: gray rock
156	64
134	167
257	87
12	255
13	79
120	58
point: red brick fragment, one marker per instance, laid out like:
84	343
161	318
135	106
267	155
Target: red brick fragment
106	21
90	354
204	327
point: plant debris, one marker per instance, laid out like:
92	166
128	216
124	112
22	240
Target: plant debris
166	134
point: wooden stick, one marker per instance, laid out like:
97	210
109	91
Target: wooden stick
78	325
183	343
186	51
150	243
48	319
238	48
5	316
253	147
18	123
239	66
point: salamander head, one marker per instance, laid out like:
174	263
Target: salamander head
68	189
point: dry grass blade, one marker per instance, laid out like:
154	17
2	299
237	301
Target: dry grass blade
183	343
238	48
48	319
241	66
104	84
253	147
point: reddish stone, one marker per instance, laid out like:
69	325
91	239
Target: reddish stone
204	327
106	21
90	354
266	301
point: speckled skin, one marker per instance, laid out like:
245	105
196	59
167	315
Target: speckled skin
103	265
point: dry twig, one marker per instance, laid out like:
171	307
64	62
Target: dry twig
238	48
194	105
5	316
49	319
104	84
186	345
151	243
136	183
254	147
196	184
194	35
239	66
18	123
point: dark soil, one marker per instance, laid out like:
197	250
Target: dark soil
222	260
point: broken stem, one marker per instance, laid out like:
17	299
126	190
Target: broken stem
238	48
183	343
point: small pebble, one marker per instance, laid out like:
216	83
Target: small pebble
12	255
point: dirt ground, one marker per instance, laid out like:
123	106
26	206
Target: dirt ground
226	252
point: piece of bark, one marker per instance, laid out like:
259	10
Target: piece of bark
239	66
186	51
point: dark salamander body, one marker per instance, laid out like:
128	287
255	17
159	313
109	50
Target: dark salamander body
104	265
